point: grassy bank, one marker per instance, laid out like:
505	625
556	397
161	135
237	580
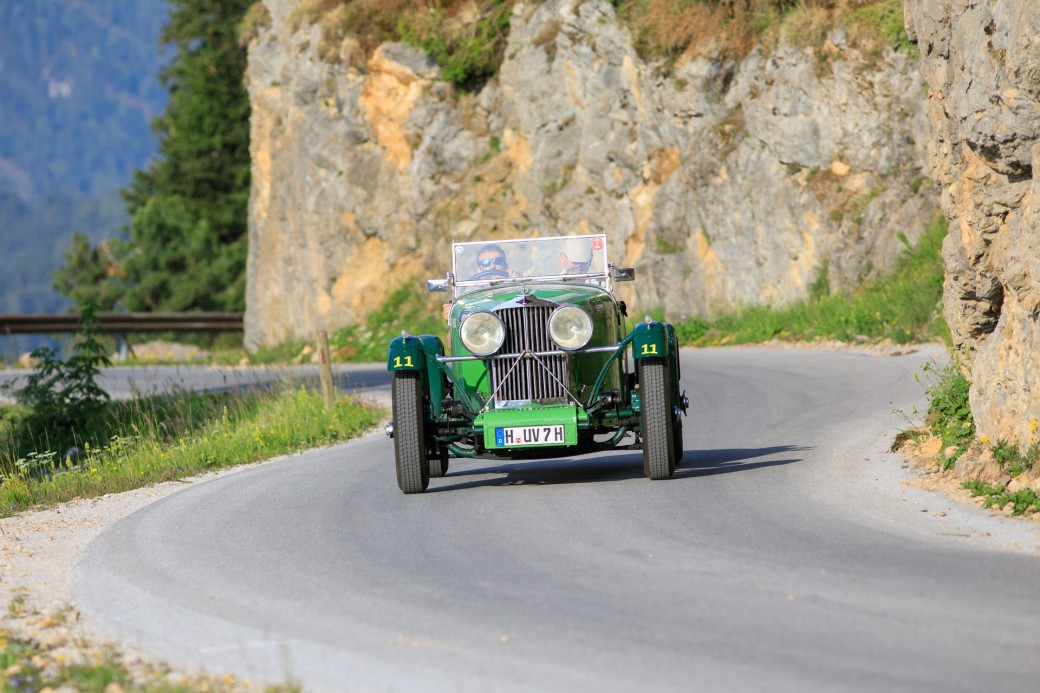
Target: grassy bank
904	307
154	439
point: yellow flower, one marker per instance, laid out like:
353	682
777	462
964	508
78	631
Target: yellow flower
984	439
1032	425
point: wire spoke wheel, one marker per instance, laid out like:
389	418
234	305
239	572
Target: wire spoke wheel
655	419
413	474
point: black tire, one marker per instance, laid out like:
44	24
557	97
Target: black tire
438	464
655	419
413	474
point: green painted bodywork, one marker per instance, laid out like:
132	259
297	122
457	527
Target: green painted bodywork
607	325
532	415
419	353
457	392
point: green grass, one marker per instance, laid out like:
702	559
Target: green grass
406	309
155	439
904	307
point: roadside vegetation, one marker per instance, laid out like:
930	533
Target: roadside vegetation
27	664
405	309
64	439
467	38
1007	471
904	307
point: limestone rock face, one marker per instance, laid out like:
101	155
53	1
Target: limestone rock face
724	183
982	63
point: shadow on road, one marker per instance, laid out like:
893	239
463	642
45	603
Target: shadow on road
587	470
729	460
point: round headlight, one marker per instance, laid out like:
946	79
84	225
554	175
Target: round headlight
570	327
482	333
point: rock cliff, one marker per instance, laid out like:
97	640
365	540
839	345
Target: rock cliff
982	63
724	182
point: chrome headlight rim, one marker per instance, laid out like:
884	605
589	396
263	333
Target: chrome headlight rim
582	315
498	336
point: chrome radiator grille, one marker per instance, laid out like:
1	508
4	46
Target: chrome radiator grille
527	329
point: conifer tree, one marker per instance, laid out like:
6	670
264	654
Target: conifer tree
187	234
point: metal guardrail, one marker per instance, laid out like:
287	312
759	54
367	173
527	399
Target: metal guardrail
122	322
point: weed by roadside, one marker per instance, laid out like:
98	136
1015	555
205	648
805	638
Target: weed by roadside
949	412
154	439
1022	500
61	402
1000	476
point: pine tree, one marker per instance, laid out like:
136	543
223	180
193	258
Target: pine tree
188	211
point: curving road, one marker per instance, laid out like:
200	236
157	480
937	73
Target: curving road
124	382
785	555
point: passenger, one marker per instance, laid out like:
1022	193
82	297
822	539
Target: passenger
576	256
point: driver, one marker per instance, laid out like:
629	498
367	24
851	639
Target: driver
491	260
576	256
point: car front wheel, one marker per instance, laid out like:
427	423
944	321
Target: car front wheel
655	418
413	475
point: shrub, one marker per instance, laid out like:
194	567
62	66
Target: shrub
65	402
949	412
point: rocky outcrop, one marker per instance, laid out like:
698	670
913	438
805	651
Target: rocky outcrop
725	183
982	63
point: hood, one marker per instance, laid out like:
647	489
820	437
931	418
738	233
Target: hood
514	296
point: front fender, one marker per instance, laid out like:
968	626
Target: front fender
410	353
652	340
405	354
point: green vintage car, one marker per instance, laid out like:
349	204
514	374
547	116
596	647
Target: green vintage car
541	364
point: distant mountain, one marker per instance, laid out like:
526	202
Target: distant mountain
78	89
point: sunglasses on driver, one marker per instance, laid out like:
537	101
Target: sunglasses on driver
486	262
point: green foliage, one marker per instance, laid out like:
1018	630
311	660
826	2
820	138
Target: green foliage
904	307
884	18
64	401
187	236
405	309
466	58
1022	501
91	275
821	286
949	412
160	438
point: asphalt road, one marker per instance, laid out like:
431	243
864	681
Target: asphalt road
784	555
123	382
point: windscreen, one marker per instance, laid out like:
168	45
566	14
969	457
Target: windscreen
559	257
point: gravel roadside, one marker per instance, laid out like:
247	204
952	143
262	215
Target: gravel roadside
39	554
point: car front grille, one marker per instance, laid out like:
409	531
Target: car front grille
527	329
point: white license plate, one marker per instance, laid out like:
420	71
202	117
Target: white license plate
519	436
